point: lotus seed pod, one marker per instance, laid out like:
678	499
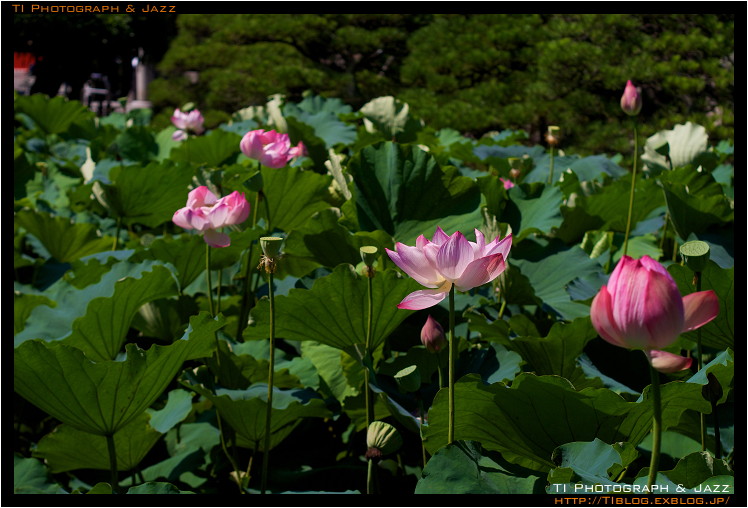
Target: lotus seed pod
409	379
369	254
553	135
271	246
695	254
383	437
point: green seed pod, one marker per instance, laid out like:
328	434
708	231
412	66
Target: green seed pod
271	246
383	437
695	254
409	379
368	254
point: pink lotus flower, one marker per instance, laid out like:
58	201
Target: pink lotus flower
449	260
508	184
206	213
432	335
641	308
631	101
271	148
187	123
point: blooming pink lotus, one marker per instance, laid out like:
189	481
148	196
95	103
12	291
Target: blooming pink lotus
187	123
631	101
432	335
206	213
641	308
449	260
271	148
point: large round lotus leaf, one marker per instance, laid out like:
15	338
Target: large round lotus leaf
465	467
334	311
402	190
103	397
63	239
527	421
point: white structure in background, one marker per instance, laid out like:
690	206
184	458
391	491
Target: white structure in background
142	78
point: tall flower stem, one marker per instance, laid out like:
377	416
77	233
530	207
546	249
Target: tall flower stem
112	463
116	234
633	188
210	284
700	364
367	350
550	167
269	268
656	426
452	360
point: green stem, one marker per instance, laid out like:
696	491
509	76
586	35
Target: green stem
452	360
271	367
440	368
550	165
112	463
267	212
218	291
656	426
210	284
116	234
244	310
367	352
700	365
633	188
423	445
370	477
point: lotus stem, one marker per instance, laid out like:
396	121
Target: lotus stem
452	359
633	188
656	427
210	284
112	463
271	367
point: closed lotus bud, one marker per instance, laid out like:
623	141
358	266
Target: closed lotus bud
382	439
432	335
631	101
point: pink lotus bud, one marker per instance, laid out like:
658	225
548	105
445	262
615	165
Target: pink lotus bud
187	123
271	148
631	101
206	213
641	308
432	335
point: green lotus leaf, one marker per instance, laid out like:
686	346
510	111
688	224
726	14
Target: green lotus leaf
402	190
465	467
216	148
532	209
391	118
554	354
67	448
549	277
611	203
325	241
156	488
695	201
136	143
245	411
103	397
147	195
96	318
722	367
529	420
30	477
695	468
720	332
63	239
334	310
53	116
293	196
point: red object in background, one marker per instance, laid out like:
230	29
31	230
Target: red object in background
23	60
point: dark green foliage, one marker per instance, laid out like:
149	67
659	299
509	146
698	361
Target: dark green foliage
474	73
